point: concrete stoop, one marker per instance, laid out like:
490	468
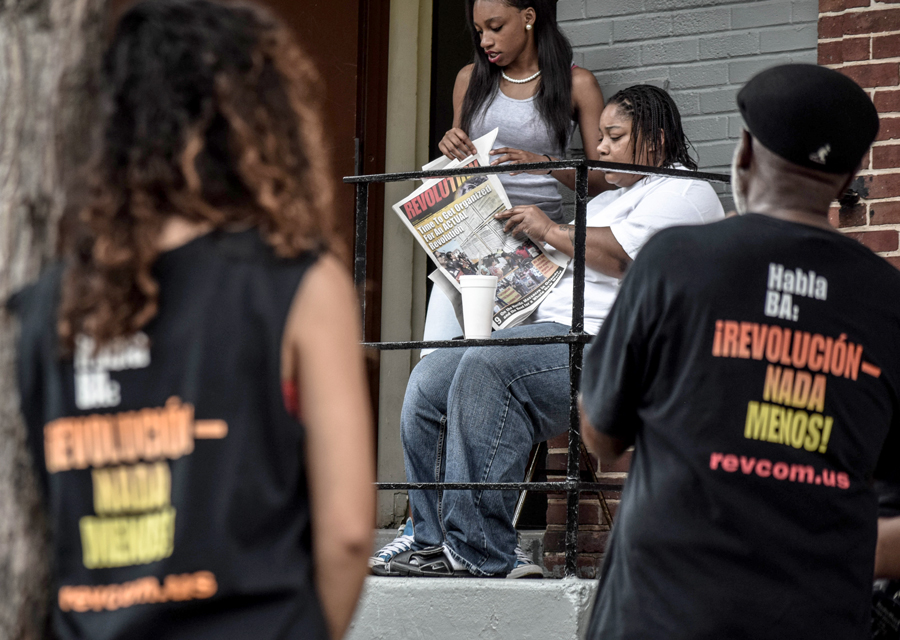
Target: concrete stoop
464	608
482	609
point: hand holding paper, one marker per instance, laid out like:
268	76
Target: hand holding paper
455	220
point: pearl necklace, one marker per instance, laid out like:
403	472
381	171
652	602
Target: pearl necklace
522	81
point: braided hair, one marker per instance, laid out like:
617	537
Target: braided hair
653	115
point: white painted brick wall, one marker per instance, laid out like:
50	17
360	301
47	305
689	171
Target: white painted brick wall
702	51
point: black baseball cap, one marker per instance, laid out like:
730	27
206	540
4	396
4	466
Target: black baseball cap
811	116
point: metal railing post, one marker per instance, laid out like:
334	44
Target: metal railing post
359	248
576	350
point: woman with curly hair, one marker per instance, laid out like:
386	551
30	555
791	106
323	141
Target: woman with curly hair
190	372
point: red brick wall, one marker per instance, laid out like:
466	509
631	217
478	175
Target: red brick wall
861	38
593	525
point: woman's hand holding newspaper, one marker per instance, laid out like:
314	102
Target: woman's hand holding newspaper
527	220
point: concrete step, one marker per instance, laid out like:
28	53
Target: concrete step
487	609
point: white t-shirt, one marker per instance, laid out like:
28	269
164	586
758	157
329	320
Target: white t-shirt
633	215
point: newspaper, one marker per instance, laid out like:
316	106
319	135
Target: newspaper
453	220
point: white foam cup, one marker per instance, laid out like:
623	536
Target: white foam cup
478	294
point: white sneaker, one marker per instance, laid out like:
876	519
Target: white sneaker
403	542
524	567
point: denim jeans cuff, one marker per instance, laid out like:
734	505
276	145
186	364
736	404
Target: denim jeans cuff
468	565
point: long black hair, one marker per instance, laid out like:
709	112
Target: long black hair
554	97
652	111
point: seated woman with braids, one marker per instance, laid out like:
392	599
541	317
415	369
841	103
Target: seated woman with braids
472	415
191	374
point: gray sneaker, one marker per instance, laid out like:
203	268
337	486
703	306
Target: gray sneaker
524	567
379	563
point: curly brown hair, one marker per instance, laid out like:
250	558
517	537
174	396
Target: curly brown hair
210	112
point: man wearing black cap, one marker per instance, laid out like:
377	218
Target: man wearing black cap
755	366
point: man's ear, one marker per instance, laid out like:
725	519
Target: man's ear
845	185
743	155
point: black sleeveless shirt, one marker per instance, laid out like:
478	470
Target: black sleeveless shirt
174	475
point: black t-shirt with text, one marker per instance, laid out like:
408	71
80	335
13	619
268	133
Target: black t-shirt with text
174	476
755	365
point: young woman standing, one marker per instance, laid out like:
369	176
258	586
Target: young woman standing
523	82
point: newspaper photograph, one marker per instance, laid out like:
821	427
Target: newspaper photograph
453	220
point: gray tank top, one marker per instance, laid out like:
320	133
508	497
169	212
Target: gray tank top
521	127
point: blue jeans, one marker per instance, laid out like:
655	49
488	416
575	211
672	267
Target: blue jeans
472	415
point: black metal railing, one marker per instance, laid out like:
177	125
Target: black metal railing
573	486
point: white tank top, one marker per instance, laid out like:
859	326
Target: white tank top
521	127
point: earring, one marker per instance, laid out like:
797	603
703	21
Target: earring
528	27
